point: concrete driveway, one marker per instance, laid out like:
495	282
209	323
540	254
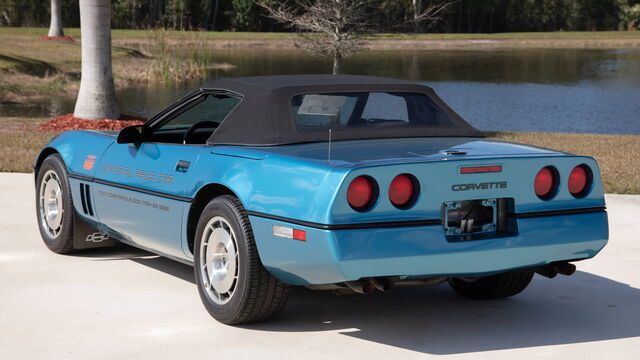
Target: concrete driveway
127	303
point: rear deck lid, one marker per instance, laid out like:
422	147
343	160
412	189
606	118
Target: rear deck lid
408	150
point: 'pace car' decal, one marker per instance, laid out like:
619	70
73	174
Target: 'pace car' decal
144	174
480	186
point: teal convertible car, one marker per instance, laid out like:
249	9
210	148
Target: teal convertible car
334	182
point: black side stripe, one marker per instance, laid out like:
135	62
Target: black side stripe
386	224
80	177
559	212
389	224
131	188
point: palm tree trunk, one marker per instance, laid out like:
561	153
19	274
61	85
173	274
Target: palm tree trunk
337	64
417	10
55	29
96	98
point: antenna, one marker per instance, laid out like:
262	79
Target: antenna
329	155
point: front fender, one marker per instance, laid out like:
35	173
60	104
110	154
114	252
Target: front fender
80	150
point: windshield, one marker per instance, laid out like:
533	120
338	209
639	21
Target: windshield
366	109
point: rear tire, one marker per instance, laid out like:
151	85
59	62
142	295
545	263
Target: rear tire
493	287
233	285
54	206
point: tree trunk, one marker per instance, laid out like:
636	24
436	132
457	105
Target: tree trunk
55	29
215	16
417	10
337	64
96	98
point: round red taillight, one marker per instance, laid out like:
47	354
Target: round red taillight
403	191
546	183
360	193
579	180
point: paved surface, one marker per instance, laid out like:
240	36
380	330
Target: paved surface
128	303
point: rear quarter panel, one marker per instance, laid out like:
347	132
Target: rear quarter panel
275	185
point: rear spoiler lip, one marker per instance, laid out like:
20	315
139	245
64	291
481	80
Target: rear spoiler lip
341	164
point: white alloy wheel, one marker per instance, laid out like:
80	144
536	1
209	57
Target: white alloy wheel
220	260
50	204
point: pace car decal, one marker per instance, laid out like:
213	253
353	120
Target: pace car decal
144	174
88	162
480	186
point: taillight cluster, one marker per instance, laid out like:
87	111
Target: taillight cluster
547	182
580	180
363	192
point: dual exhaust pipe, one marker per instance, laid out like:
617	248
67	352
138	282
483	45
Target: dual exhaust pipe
385	284
560	267
366	286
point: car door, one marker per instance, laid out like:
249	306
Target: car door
142	190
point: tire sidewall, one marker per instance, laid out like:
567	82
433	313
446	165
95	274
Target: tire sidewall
225	313
64	241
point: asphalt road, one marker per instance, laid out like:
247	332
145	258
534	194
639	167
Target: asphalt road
127	303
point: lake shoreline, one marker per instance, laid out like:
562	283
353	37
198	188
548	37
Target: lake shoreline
550	40
420	44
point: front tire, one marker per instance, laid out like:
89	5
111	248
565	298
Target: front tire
54	205
493	287
233	285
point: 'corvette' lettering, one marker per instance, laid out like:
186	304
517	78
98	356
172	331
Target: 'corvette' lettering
480	186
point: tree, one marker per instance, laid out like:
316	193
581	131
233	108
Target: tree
328	28
430	15
55	28
96	98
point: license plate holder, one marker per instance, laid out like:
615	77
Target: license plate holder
470	217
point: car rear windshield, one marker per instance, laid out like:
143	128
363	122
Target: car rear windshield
366	109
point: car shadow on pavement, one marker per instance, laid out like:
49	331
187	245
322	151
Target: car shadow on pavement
125	252
580	308
565	310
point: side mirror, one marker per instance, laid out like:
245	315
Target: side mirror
131	135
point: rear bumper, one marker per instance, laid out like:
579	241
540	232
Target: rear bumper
332	256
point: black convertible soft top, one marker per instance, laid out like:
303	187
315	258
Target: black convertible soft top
264	115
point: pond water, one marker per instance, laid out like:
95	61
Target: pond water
554	90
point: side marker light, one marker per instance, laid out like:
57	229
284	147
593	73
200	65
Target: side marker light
289	233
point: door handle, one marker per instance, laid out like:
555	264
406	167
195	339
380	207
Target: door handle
183	166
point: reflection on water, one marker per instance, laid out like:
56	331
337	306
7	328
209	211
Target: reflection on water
589	91
581	108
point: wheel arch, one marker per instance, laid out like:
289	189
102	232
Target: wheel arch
43	155
202	198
